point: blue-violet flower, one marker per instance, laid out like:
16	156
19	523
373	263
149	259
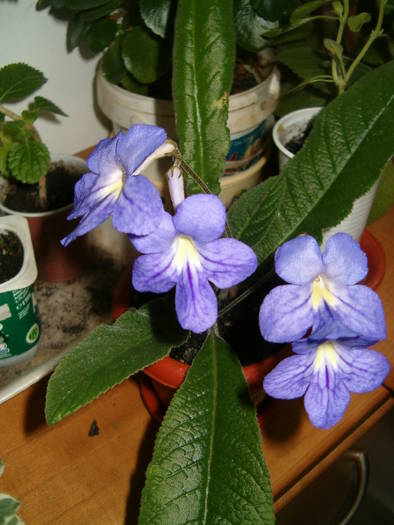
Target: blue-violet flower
323	286
326	371
186	252
114	185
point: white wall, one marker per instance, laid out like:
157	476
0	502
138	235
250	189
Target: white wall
35	37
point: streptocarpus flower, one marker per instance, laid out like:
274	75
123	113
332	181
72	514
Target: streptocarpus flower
323	286
114	185
326	371
186	252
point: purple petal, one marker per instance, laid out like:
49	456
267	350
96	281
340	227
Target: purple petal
286	313
139	209
299	261
82	195
345	262
158	241
290	378
92	219
367	369
227	262
202	217
103	158
154	273
325	407
140	141
195	301
361	310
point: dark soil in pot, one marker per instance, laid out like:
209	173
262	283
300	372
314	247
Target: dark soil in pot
11	255
60	182
297	141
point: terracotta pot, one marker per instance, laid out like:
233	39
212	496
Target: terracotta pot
163	378
55	263
168	374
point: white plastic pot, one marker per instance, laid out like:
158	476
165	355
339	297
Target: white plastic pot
19	318
249	120
290	126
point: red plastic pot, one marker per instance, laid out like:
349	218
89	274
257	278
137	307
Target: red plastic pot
163	378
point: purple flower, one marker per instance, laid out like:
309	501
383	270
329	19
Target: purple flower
326	371
113	184
186	252
323	286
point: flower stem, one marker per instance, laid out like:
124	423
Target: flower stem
9	113
376	33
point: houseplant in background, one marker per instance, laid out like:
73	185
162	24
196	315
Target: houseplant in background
31	185
324	49
134	76
207	463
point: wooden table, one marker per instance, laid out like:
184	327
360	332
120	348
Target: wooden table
63	476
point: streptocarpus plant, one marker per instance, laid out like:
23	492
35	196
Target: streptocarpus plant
209	444
23	156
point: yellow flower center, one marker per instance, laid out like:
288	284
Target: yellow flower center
321	293
185	253
326	355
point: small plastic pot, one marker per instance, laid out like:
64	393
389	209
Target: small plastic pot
55	263
19	318
292	125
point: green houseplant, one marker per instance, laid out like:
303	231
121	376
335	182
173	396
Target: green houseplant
207	464
34	184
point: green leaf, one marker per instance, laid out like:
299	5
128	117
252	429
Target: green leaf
75	32
356	22
274	10
333	47
44	104
156	15
81	5
112	63
204	57
305	62
304	10
1	467
17	81
101	11
250	27
341	159
384	198
208	465
8	507
338	8
146	56
101	34
29	161
305	98
137	339
131	84
30	116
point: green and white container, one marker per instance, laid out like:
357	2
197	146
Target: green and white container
19	319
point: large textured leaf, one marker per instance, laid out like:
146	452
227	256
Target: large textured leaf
113	353
17	81
344	155
145	55
204	57
208	465
156	15
28	161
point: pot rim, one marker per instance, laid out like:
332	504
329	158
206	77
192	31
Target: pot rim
283	123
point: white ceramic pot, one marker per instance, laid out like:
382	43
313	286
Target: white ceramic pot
250	119
19	319
289	127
